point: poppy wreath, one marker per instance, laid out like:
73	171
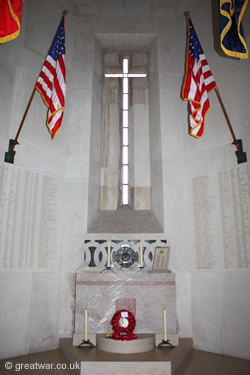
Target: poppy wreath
123	324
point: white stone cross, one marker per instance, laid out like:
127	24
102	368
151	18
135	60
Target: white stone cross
125	75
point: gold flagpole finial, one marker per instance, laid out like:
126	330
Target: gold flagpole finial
186	13
65	12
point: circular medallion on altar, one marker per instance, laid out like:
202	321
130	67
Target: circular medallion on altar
123	324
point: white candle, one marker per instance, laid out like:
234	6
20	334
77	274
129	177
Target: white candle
141	255
108	262
165	325
86	325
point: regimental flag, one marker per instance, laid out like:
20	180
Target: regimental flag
10	19
199	81
232	36
51	82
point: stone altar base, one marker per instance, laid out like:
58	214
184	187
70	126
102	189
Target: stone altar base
158	361
142	344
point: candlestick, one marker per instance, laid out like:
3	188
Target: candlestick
141	254
86	325
165	324
108	262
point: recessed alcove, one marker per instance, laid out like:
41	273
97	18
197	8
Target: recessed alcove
144	214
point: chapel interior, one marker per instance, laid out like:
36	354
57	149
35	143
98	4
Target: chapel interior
88	218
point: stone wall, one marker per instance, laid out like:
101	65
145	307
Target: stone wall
199	193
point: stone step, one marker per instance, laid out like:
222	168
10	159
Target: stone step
159	361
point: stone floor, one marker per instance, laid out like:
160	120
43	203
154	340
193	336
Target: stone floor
197	363
204	363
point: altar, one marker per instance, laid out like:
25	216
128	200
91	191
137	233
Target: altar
145	295
126	275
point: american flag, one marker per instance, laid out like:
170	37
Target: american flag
51	82
199	81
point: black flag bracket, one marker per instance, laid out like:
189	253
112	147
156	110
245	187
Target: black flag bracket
9	156
241	156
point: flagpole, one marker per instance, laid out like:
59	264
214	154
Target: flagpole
241	156
226	116
23	119
9	156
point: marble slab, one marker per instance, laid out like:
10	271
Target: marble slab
125	368
145	294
